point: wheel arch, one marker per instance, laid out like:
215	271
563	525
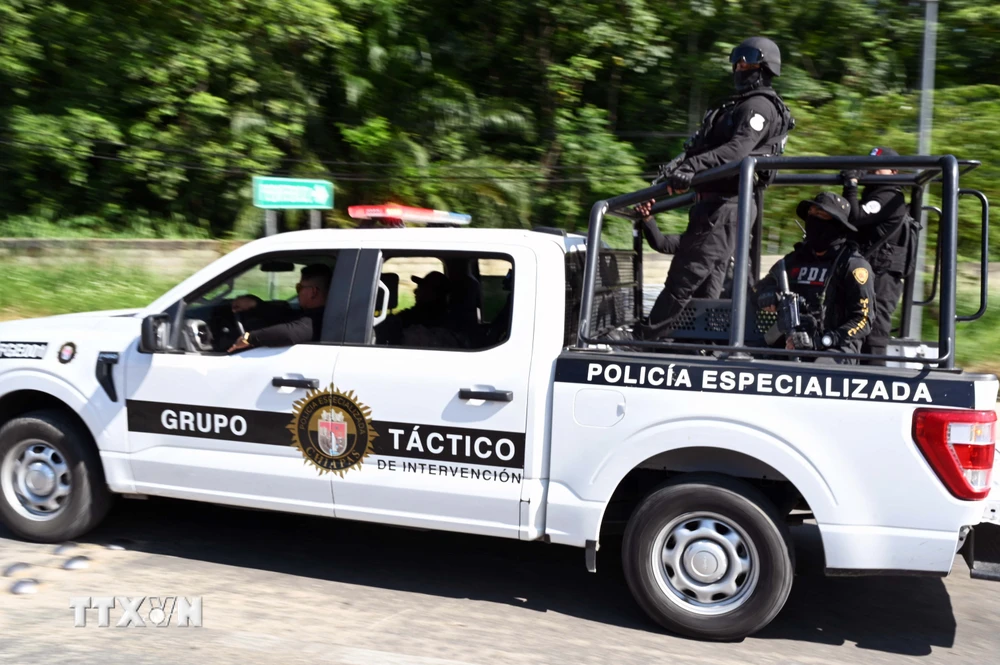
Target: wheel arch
20	402
773	465
29	391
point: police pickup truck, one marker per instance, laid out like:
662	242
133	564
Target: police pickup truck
527	420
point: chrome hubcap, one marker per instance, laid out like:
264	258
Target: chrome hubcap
35	480
40	479
705	563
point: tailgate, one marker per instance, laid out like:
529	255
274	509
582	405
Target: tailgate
992	512
982	545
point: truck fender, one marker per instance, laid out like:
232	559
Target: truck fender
59	388
781	455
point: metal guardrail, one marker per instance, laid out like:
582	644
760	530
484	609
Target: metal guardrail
984	260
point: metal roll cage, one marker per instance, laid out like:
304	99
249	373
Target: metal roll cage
945	169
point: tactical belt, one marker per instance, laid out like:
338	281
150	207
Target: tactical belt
712	196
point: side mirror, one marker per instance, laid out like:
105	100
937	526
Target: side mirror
155	333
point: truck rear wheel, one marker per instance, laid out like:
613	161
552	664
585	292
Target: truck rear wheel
708	557
52	484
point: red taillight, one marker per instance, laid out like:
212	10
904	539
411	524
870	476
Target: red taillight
959	445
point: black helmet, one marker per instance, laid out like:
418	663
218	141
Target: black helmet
758	50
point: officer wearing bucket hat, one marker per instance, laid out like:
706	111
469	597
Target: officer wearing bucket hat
833	279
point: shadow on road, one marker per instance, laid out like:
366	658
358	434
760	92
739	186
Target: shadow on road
902	615
898	615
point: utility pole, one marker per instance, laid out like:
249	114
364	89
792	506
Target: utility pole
924	148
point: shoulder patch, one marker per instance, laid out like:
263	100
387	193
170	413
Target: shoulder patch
872	207
757	122
861	275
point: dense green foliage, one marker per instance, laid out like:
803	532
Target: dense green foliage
148	118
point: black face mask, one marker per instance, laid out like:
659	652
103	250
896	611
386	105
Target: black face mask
746	80
821	233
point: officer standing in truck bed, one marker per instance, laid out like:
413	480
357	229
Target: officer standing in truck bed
754	121
886	239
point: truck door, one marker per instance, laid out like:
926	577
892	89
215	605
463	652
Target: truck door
445	377
213	426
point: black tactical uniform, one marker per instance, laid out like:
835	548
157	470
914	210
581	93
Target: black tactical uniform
664	244
832	278
755	121
884	238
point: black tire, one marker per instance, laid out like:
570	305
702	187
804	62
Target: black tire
739	504
88	500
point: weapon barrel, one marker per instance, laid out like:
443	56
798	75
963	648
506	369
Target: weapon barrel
783	278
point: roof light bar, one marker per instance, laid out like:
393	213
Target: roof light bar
390	213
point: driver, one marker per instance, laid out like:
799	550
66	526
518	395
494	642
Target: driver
305	324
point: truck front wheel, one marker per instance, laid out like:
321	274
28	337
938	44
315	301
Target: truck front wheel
708	557
52	484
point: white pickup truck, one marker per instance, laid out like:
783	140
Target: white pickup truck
507	426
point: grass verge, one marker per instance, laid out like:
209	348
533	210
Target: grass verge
28	291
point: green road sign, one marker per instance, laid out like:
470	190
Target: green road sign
286	193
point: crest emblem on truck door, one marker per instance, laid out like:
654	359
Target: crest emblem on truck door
332	429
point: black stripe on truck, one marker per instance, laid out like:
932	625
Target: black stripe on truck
784	380
409	440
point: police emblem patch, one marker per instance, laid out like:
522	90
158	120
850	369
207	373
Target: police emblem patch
757	122
861	275
872	207
67	352
332	429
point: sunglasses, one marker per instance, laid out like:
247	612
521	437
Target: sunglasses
747	54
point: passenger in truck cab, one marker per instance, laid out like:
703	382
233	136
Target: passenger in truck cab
427	322
290	326
831	279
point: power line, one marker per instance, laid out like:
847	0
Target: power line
348	177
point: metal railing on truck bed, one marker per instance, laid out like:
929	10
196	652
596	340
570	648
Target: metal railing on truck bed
592	308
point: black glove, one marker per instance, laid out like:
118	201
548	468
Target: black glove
768	298
801	340
680	179
847	176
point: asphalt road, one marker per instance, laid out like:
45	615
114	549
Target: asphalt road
288	589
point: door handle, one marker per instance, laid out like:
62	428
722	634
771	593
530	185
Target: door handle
487	395
282	382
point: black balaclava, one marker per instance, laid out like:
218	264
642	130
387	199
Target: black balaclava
751	79
821	233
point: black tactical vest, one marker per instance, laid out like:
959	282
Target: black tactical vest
699	142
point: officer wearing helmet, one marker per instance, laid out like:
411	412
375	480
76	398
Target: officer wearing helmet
888	240
753	121
831	277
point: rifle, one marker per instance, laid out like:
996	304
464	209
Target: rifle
664	171
789	321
